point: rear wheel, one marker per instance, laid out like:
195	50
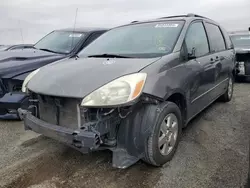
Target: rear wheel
164	139
227	96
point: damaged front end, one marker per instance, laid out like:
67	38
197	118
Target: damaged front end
89	129
11	98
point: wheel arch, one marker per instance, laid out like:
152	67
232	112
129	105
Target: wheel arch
180	100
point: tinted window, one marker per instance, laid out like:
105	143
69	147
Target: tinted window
140	40
196	38
60	41
216	38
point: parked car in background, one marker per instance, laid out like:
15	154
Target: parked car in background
134	88
241	41
16	47
15	65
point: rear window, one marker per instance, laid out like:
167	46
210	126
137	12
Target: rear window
217	42
139	41
241	40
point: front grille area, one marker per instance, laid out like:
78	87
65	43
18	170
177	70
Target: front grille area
59	110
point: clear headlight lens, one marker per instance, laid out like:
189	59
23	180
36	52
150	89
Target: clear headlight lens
27	79
119	91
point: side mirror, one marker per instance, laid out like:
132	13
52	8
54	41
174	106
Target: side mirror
192	55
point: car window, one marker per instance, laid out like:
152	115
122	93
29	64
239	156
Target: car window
196	38
241	40
92	38
60	41
229	43
139	40
217	42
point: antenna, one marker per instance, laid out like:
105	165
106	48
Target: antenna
74	29
21	31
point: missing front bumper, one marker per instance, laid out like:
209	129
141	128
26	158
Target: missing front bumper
80	139
84	140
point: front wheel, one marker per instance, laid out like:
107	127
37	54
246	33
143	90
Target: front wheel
227	96
165	136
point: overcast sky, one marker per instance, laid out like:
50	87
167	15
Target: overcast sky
38	17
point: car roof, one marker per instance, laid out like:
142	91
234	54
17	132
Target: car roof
187	17
84	29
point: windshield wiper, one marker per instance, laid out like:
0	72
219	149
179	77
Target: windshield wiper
47	50
109	55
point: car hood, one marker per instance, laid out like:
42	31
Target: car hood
77	78
16	62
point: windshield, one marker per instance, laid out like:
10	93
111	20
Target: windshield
60	41
241	40
139	41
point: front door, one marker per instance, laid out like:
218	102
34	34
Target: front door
202	80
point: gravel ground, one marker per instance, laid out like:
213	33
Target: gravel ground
213	153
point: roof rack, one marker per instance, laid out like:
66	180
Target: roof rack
173	16
196	15
134	21
186	15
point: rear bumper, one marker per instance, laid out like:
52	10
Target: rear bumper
10	102
83	140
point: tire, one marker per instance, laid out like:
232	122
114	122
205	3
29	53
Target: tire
153	153
227	96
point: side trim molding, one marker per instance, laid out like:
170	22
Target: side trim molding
209	90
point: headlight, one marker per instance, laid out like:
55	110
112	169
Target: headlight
27	79
119	91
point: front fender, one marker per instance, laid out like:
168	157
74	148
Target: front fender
134	131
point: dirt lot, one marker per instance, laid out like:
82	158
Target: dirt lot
212	153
